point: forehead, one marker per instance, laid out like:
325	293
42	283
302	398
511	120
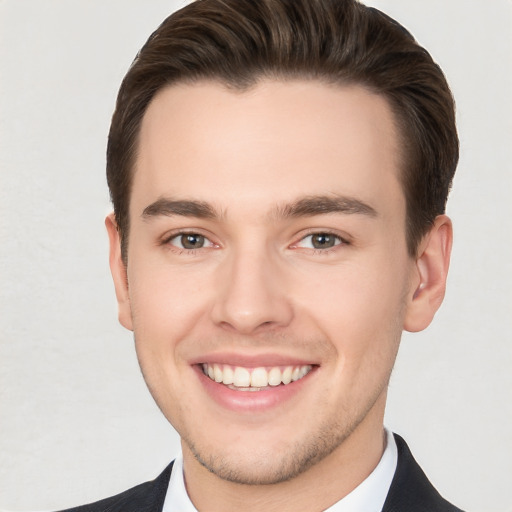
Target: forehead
286	138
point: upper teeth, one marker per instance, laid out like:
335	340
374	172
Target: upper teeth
260	377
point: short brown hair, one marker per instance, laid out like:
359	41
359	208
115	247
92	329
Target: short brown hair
239	42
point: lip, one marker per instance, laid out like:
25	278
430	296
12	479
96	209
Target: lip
252	401
251	360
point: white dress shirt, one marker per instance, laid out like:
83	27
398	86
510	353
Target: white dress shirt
368	496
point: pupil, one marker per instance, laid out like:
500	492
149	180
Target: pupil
192	241
323	240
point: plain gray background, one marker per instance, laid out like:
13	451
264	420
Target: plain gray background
76	421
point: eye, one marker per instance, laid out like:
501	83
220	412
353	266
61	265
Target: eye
190	241
320	241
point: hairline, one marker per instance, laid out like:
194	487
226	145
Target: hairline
402	158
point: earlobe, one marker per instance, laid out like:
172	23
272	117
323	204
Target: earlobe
119	274
428	284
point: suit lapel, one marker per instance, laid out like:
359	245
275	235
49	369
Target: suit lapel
148	497
410	489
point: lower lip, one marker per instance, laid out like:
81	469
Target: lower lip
251	401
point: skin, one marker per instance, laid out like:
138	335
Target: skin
258	287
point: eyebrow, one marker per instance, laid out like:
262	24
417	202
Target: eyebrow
186	208
323	204
304	207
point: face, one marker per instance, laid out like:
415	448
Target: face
268	276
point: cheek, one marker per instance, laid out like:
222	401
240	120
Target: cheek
358	306
166	309
164	312
163	296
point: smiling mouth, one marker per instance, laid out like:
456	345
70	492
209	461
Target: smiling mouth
240	378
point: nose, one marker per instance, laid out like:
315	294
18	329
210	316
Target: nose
252	293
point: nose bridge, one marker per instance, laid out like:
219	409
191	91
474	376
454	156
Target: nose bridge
252	291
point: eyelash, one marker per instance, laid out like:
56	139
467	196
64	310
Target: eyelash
339	241
166	241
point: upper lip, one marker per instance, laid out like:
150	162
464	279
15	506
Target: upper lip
251	360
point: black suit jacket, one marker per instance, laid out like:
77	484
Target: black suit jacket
410	491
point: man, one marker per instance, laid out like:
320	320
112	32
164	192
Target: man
279	172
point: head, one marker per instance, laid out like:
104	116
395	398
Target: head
279	171
239	43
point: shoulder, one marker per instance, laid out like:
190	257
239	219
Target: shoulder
146	497
410	489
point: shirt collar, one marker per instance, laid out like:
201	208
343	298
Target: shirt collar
370	494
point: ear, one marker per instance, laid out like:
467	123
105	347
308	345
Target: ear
428	283
119	274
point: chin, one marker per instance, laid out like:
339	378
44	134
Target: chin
269	465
